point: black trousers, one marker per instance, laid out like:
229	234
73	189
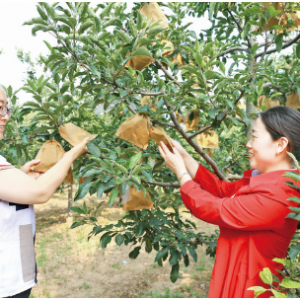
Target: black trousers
24	294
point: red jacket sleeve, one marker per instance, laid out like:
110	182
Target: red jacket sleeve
260	210
211	183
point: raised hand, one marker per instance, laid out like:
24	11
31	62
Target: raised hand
26	169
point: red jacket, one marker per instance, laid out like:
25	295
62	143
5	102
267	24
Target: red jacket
251	214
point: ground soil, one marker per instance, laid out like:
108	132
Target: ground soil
71	266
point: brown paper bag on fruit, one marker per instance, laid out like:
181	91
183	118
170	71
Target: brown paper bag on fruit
168	48
262	100
158	134
146	100
293	100
191	125
50	154
154	12
75	135
208	140
137	201
135	130
139	62
283	17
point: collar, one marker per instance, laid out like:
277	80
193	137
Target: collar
253	177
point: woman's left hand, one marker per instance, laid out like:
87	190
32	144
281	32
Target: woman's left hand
173	161
28	165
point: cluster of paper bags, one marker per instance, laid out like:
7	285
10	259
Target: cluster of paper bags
52	151
273	21
154	12
293	101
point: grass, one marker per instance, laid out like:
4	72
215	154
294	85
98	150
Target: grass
71	266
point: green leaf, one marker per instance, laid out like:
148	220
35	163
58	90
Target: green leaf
140	229
273	12
77	209
253	49
124	36
294	199
134	254
73	22
266	276
294	250
132	27
193	253
119	239
257	290
134	160
298	50
174	273
105	240
290	283
174	257
278	42
211	9
94	149
278	294
83	190
161	253
113	196
147	175
155	30
141	51
148	246
42	13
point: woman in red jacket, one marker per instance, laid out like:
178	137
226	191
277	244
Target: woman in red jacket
250	212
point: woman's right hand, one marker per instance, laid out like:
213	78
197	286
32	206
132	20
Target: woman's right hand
179	148
79	149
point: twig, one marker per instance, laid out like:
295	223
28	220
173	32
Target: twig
232	50
164	184
239	27
289	43
192	143
234	177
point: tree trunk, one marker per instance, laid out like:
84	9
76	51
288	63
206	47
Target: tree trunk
250	110
70	200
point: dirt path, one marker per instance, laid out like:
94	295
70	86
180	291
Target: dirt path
71	266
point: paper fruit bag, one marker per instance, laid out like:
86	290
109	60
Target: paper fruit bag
146	100
136	200
293	100
208	140
139	62
272	21
135	130
50	153
154	12
194	124
262	100
74	134
158	134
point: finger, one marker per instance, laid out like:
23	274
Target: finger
172	142
161	152
33	162
165	148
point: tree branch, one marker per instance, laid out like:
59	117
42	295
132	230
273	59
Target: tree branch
288	44
164	184
232	50
30	137
239	27
191	142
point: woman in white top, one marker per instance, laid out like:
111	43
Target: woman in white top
18	193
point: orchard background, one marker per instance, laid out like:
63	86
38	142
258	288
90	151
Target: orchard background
107	66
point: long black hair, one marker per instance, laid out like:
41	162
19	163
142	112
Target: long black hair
283	121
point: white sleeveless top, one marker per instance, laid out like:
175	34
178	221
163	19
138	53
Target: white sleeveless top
17	257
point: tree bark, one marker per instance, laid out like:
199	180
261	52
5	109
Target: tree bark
70	200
